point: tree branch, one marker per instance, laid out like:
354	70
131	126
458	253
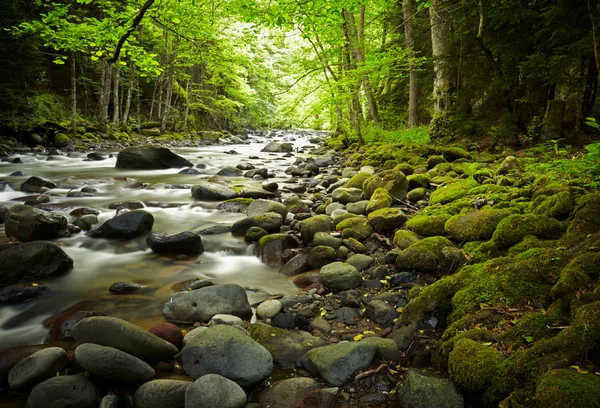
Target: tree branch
136	22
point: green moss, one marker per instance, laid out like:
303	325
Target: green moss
513	229
475	225
532	326
309	227
419	180
581	274
530	242
359	224
428	225
568	389
455	153
585	220
447	344
354	245
404	238
379	200
261	333
357	180
556	206
472	365
320	255
426	255
245	201
433	161
481	175
61	140
254	234
436	297
452	191
271	237
405	168
392	180
390	164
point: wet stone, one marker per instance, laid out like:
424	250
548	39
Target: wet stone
124	287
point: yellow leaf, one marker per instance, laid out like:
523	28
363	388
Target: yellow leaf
34	284
421	331
358	337
184	332
392	371
399	309
489	343
366	332
323	312
575	367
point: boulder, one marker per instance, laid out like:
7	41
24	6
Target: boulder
186	243
320	255
405	238
454	153
382	313
427	255
394	181
124	336
67	391
386	348
268	309
360	261
424	391
310	226
260	207
428	225
21	293
112	364
202	304
338	362
379	200
213	390
27	223
149	158
161	394
340	276
276	147
31	261
125	226
212	192
297	265
326	239
359	225
346	195
474	226
387	219
124	287
270	222
271	247
285	393
35	184
229	352
230	172
37	367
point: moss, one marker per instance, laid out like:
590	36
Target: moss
61	140
513	229
405	168
447	344
271	237
416	194
357	180
255	234
428	225
244	201
262	332
354	245
309	227
379	200
390	164
387	219
320	255
358	224
585	220
532	326
426	255
556	206
419	180
433	161
474	226
481	175
568	389
452	191
392	180
405	238
436	297
455	153
530	242
472	365
581	274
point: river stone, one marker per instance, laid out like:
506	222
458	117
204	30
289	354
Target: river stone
394	181
381	313
10	357
213	390
31	261
230	172
260	207
386	348
112	364
212	192
379	200
423	391
276	147
270	222
110	401
227	319
387	219
359	225
340	276
320	255
326	239
125	226
168	332
474	226
202	304
309	227
124	336
67	391
86	222
37	367
271	247
35	184
125	287
403	337
285	393
338	362
346	195
161	394
360	261
268	309
149	158
187	243
227	351
27	223
21	293
297	265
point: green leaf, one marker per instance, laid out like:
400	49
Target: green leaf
59	61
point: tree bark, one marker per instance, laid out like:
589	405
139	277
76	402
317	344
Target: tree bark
73	94
116	80
138	107
187	104
169	95
442	83
136	21
594	10
413	89
105	82
553	120
129	93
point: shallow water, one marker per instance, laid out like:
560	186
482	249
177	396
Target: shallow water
98	263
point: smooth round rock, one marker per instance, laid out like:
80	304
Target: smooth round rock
227	319
125	226
149	158
27	223
67	391
212	191
37	367
212	390
161	394
186	243
168	332
268	309
125	287
112	364
340	276
285	393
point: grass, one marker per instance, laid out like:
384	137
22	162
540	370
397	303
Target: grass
418	134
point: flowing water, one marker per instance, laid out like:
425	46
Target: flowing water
98	263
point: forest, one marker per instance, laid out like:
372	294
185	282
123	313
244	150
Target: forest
299	203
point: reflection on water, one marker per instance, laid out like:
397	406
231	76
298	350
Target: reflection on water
99	263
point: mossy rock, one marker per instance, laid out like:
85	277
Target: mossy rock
309	227
345	195
436	297
353	244
393	181
254	234
416	194
511	230
510	165
580	274
320	255
481	175
419	180
390	164
472	365
532	326
359	224
451	191
474	226
405	238
567	388
433	161
530	242
426	255
455	153
387	219
405	168
61	140
379	200
585	220
556	206
428	225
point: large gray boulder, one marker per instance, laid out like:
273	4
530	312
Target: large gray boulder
161	394
229	352
270	222
67	391
124	336
340	276
424	391
338	362
201	305
285	393
213	390
276	147
186	243
310	226
37	367
27	223
260	207
32	261
125	226
112	364
347	195
212	192
150	158
271	247
35	184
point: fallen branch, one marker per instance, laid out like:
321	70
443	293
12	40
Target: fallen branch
367	373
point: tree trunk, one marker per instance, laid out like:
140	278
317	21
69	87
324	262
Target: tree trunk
594	10
161	89
73	94
187	105
151	114
138	107
129	93
169	95
105	82
116	80
553	120
413	89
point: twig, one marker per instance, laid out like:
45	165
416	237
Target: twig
367	373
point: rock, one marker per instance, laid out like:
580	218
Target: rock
270	222
387	219
394	181
202	304
227	319
423	391
212	390
37	367
161	394
61	325
386	348
510	165
125	226
326	239
285	393
254	234
214	230
270	186
227	351
318	399
10	357
3	210
35	184
110	401
187	243
309	227
295	205
124	336
426	255
381	313
346	195
189	171
260	207
27	223
22	293
276	147
86	222
428	225
212	192
268	309
474	226
112	364
416	194
230	172
271	247
455	153
403	337
338	362
95	156
340	276
32	261
567	388
405	238
379	200
149	158
472	366
297	265
360	261
321	325
319	256
324	161
334	206
358	225
67	391
125	287
130	205
168	332
512	229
